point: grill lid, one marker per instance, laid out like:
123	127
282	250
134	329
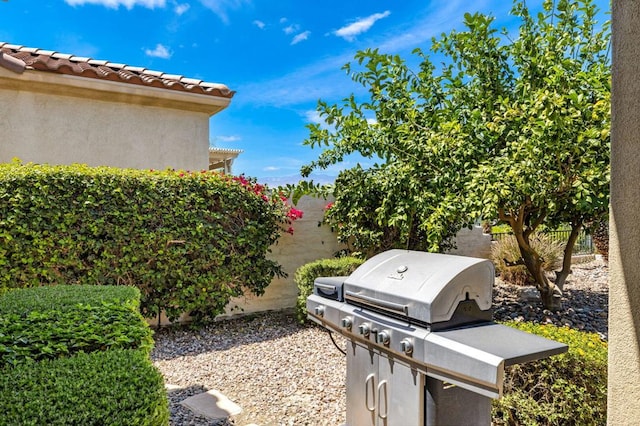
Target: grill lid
426	287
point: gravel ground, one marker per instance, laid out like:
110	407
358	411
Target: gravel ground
284	373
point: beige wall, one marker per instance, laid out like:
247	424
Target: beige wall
624	243
53	129
61	119
473	242
308	243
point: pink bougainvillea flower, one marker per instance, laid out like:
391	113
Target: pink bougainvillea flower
328	206
241	179
294	214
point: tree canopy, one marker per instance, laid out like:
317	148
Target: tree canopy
510	127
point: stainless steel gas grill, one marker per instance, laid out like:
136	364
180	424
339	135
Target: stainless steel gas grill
422	349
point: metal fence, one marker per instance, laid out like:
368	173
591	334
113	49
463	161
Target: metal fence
584	244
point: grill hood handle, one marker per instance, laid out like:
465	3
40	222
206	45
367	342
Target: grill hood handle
326	287
376	303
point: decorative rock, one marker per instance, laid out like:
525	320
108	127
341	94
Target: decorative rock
213	405
529	294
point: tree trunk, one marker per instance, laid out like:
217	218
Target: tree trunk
523	226
550	294
561	276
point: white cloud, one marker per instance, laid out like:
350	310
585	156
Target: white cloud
259	24
313	116
232	138
300	37
291	29
159	52
114	4
181	8
270	169
324	79
283	20
350	31
222	7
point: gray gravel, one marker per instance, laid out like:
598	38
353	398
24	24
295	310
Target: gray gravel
284	373
585	303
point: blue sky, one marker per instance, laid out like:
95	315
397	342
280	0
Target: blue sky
279	56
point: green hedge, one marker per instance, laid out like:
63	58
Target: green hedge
306	275
568	389
77	355
115	387
64	297
188	241
33	328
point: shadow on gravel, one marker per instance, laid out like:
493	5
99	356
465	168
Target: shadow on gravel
180	340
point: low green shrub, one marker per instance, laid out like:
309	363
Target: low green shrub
63	297
306	275
115	387
33	328
189	241
507	249
84	328
568	389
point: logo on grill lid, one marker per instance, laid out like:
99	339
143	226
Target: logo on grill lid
399	274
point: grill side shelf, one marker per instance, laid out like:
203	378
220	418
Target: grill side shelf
374	303
512	345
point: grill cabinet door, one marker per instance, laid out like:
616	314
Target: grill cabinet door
362	377
382	391
400	394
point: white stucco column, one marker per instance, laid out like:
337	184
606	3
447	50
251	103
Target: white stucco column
624	251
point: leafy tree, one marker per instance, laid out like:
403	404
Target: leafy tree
512	128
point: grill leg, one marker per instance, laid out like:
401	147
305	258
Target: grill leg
451	405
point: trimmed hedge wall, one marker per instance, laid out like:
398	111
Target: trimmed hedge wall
115	387
77	355
568	389
33	328
65	297
188	241
307	274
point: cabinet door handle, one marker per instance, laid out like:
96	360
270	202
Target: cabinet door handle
382	399
370	379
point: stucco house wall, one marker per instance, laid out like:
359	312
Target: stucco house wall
61	109
623	395
54	129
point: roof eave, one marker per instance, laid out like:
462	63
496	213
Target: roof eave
111	91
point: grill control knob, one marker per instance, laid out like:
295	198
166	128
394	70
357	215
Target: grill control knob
383	338
364	330
319	310
346	322
406	346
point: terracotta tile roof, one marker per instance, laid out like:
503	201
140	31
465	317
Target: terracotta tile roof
20	58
